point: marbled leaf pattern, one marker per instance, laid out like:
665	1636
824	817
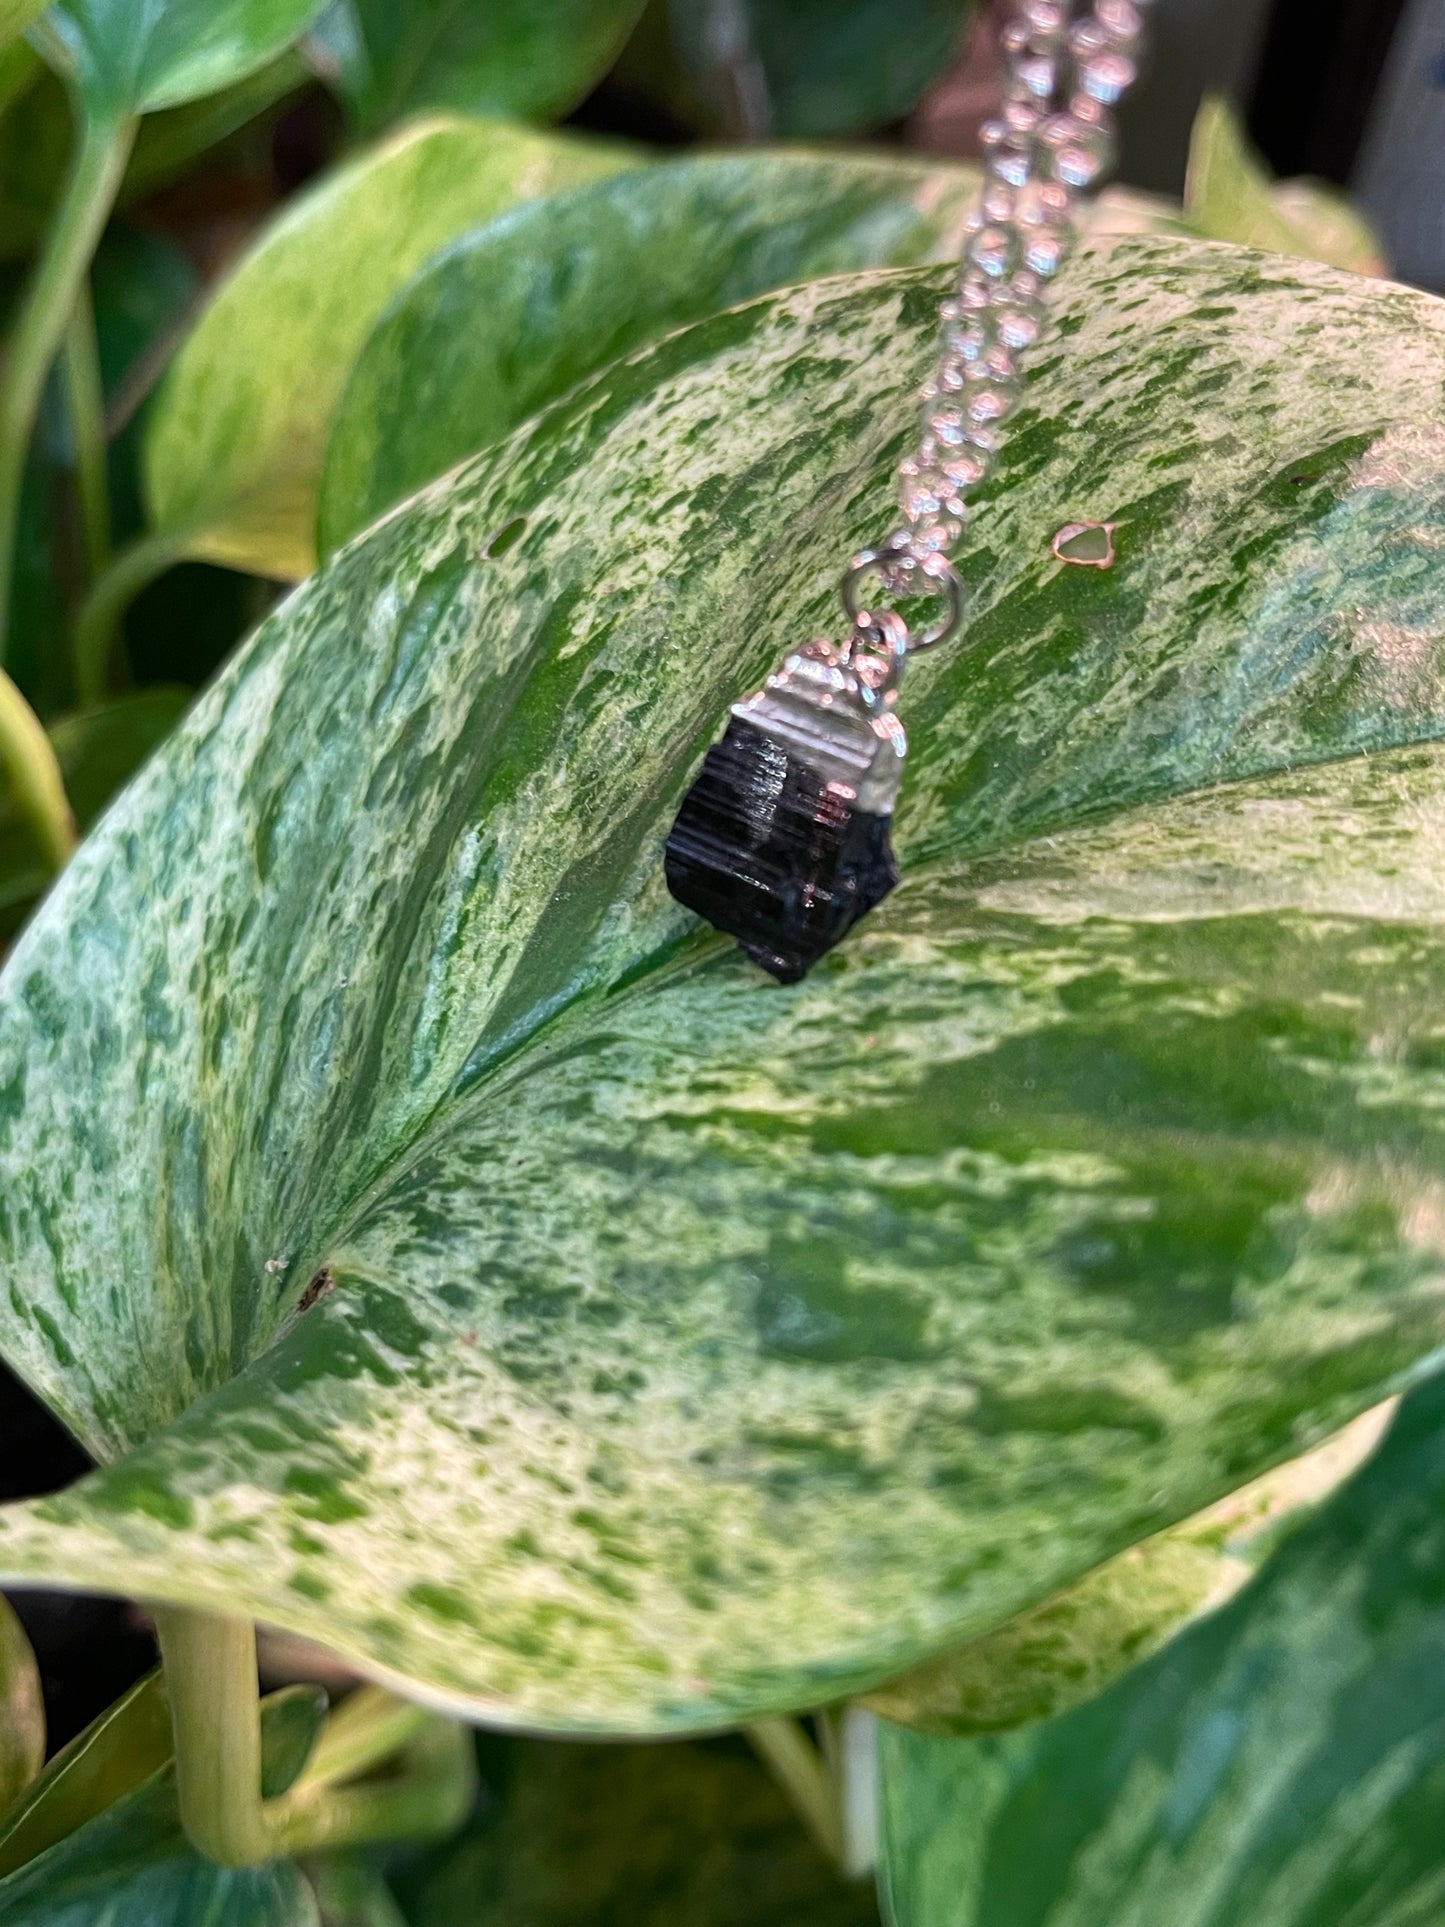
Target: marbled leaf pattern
693	1347
517	312
1279	1766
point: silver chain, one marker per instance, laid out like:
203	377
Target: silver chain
1053	141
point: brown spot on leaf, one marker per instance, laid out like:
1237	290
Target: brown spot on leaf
321	1286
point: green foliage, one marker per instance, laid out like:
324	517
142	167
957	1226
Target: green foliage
1282	1762
175	51
830	1326
650	1835
128	1862
15	17
515	314
128	1743
37	127
813	69
454	1256
1068	1649
22	1710
237	433
531	58
1230	197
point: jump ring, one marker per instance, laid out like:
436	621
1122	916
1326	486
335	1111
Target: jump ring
943	579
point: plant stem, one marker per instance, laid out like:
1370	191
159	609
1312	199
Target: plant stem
210	1671
85	401
210	1667
369	1726
90	193
850	1746
131	571
426	1800
801	1769
35	778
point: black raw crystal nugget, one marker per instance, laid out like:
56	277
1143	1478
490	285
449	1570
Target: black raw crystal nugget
783	840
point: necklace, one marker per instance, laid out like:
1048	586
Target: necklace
783	840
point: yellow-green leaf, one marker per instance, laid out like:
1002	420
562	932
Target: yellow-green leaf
22	1710
1229	196
237	431
15	17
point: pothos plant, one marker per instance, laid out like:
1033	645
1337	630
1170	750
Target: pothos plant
953	1373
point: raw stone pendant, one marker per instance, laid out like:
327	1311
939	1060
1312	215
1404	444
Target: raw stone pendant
783	840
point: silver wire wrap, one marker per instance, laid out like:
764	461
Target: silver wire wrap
1068	68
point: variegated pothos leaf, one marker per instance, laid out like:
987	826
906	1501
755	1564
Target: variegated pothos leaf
465	1262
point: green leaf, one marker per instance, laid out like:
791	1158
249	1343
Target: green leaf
168	143
352	1892
15	17
530	58
814	68
462	1261
1067	1650
37	134
647	1834
22	1710
237	432
36	137
175	51
97	750
1281	1762
514	315
291	1721
1229	197
132	1867
1329	227
127	1745
129	1742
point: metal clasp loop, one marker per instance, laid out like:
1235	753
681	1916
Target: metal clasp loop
897	564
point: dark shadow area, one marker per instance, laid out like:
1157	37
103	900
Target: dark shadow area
89	1649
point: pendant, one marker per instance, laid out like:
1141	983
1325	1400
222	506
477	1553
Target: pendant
783	839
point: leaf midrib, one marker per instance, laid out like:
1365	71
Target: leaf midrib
691	950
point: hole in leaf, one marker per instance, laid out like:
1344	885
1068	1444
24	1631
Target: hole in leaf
506	537
1088	545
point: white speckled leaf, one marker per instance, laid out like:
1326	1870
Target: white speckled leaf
1067	1649
697	1347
